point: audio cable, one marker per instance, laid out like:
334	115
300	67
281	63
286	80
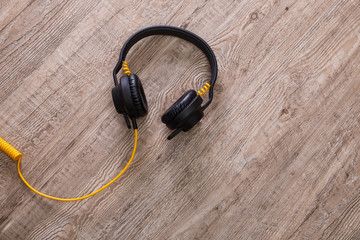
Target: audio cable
125	68
204	89
16	156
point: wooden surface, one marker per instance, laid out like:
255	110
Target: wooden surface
275	157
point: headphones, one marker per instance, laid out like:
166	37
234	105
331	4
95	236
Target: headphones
129	96
129	99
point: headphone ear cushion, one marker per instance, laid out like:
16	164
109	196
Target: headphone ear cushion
175	109
137	96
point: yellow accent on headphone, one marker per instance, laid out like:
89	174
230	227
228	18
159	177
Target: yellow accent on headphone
204	89
16	156
125	68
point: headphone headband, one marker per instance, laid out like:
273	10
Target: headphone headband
177	32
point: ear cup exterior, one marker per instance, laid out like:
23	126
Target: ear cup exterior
138	96
173	111
184	114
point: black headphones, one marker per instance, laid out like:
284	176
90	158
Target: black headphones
129	96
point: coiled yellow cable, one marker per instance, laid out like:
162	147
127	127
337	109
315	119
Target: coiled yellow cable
10	150
16	156
125	68
204	89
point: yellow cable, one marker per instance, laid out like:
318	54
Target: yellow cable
204	89
125	68
8	149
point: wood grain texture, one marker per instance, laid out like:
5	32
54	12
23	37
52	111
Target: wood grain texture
275	157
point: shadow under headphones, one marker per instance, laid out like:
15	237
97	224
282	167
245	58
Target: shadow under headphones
129	99
129	96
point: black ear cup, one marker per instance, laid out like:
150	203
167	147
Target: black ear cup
184	113
178	106
129	98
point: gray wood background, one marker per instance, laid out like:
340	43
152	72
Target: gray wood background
275	157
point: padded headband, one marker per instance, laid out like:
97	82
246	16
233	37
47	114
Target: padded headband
177	32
